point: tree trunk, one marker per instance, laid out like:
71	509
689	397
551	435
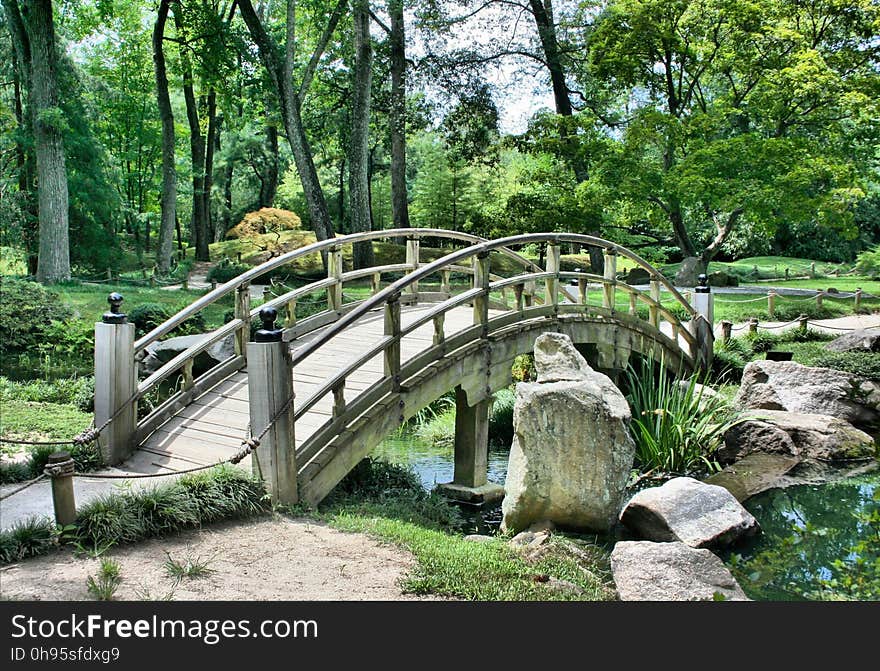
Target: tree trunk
359	152
289	99
397	117
53	259
340	196
169	173
210	146
269	179
197	150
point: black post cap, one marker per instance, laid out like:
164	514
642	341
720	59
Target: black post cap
114	316
268	333
703	287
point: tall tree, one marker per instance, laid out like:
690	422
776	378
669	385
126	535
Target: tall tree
397	115
280	68
359	151
169	171
33	33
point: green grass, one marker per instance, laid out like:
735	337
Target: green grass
845	284
26	420
189	567
104	586
449	565
768	267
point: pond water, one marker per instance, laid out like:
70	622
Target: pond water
810	533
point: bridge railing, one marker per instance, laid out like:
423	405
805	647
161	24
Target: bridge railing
182	365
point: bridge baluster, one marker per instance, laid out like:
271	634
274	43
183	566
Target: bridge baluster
481	281
551	286
582	290
632	304
444	282
290	308
518	296
375	281
243	312
188	374
339	399
412	260
334	271
439	326
392	351
654	311
610	275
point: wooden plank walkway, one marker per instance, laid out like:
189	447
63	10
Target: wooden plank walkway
212	427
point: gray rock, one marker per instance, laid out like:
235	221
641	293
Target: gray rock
529	539
856	341
557	359
689	271
572	451
479	538
789	386
160	353
802	435
689	511
645	571
721	279
638	275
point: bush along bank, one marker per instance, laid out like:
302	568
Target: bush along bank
126	516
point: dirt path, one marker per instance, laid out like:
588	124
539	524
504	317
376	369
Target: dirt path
266	560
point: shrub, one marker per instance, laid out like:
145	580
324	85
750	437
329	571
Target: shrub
677	428
265	220
808	335
868	262
501	418
223	272
863	364
762	341
727	366
30	538
148	316
27	310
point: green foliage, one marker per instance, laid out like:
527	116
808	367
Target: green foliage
677	427
75	391
30	538
148	316
868	262
762	341
727	366
223	272
104	587
501	417
189	567
27	311
863	364
192	500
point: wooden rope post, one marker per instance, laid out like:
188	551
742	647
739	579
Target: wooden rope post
726	331
392	351
185	283
654	310
63	499
213	284
610	279
334	272
753	326
802	323
115	382
702	324
242	311
481	281
813	269
819	295
270	388
551	284
412	260
771	303
857	298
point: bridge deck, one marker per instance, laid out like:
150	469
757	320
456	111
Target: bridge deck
213	426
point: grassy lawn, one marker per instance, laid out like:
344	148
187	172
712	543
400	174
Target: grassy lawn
767	267
847	284
27	420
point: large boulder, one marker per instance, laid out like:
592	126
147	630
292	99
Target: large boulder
722	279
796	434
689	511
572	451
638	275
689	272
789	386
646	571
859	340
160	353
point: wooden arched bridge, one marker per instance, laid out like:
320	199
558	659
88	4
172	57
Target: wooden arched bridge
361	368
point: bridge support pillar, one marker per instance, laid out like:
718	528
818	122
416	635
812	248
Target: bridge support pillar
470	483
270	390
115	383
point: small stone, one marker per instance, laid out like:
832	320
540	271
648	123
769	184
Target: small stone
646	571
479	538
529	539
690	511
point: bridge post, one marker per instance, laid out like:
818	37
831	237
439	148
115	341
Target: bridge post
654	312
115	382
392	352
334	271
481	281
243	312
412	259
702	324
270	388
470	482
551	285
610	277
